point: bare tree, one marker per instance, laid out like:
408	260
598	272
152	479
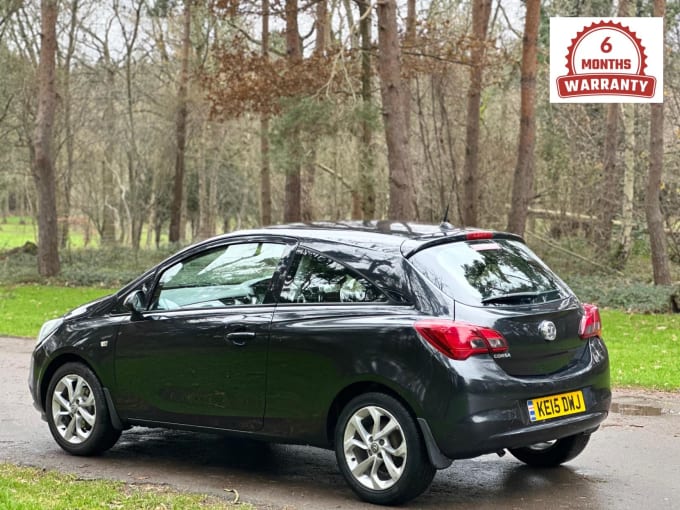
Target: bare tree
321	27
402	193
265	172
67	179
481	11
292	207
43	156
522	185
176	230
631	164
610	191
655	221
366	164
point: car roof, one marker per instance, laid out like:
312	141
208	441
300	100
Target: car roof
393	236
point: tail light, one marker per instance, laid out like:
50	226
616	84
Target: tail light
460	340
591	324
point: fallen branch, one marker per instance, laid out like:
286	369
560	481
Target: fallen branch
574	254
236	496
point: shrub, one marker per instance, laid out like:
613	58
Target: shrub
621	294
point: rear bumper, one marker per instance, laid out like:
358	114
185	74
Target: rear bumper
488	411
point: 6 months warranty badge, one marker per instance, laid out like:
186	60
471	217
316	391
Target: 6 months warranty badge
615	60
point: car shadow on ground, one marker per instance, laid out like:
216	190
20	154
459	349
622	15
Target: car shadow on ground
312	473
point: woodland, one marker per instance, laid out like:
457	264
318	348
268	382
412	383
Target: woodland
146	122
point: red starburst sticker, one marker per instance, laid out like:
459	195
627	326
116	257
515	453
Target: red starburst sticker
606	60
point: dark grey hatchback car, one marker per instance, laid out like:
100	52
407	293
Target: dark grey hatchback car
401	346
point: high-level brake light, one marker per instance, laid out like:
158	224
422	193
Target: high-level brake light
478	234
460	340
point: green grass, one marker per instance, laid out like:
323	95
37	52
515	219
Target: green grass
643	349
24	308
24	488
15	231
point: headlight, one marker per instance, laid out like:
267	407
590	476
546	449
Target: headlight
48	328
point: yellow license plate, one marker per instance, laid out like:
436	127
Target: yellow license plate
554	406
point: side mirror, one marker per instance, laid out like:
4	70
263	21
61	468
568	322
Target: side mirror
134	302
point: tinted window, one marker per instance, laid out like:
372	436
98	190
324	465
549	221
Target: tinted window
317	279
237	274
491	272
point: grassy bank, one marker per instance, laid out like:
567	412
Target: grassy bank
24	308
16	230
643	349
24	488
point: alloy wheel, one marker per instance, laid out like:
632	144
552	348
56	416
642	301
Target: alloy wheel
375	448
73	409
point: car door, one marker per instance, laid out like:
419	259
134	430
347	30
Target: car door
197	354
326	329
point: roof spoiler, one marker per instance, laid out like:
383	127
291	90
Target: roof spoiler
412	246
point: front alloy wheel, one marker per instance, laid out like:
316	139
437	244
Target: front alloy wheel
77	412
380	450
73	409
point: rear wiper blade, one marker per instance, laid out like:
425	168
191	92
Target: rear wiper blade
517	295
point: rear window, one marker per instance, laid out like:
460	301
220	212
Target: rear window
493	272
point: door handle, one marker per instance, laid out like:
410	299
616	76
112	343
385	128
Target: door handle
240	337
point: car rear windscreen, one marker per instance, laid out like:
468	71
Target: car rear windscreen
493	272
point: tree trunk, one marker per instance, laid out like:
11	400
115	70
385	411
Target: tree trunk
43	162
68	126
108	218
655	223
409	45
309	177
321	26
610	191
630	134
402	206
292	207
366	166
175	233
522	185
609	195
265	172
204	210
353	39
481	11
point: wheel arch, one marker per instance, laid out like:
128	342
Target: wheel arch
354	390
58	362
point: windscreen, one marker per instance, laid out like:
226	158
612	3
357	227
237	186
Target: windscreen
493	272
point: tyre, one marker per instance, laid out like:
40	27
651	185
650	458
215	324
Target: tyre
77	412
380	450
553	453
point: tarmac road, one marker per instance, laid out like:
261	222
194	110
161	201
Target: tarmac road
632	462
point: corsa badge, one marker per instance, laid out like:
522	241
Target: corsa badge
615	60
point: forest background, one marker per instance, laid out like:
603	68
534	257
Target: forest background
130	127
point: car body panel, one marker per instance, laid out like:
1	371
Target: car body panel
317	351
198	367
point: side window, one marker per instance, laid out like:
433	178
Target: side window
236	274
318	279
